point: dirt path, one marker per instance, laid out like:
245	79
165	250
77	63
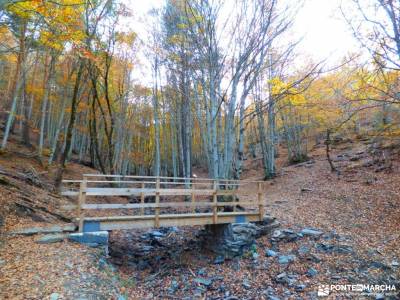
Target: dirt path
359	202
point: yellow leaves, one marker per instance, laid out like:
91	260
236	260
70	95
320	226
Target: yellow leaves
175	57
11	58
392	133
176	39
77	36
392	77
61	20
277	86
182	26
36	91
128	38
25	9
297	99
4	30
46	151
287	92
47	39
197	18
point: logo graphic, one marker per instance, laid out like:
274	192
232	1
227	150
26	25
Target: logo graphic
351	289
323	290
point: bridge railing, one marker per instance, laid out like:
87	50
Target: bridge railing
217	193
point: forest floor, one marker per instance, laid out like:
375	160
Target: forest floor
357	209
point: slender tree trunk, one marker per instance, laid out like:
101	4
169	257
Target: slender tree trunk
328	150
25	124
20	69
156	121
240	150
71	124
262	136
271	172
47	91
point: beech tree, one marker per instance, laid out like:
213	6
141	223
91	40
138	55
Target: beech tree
223	87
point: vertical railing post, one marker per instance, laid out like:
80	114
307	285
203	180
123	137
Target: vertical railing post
215	207
81	202
157	210
234	195
142	198
260	201
193	197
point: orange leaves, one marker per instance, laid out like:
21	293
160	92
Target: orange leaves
138	157
82	106
4	32
87	54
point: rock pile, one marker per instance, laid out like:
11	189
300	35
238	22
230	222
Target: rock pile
231	240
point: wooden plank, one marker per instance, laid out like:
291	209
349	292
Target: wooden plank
185	192
153	177
153	205
71	181
222	181
162	205
170	216
69	193
98	191
226	192
69	207
235	203
183	220
92	191
148	182
147	192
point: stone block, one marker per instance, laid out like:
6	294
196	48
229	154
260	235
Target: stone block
96	238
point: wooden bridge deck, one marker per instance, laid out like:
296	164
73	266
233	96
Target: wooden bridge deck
213	196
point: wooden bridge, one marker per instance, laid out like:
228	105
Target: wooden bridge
110	202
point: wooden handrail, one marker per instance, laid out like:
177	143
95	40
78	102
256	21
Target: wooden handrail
174	178
110	206
164	205
191	187
107	191
161	182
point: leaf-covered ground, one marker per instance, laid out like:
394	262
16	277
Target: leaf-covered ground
357	209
